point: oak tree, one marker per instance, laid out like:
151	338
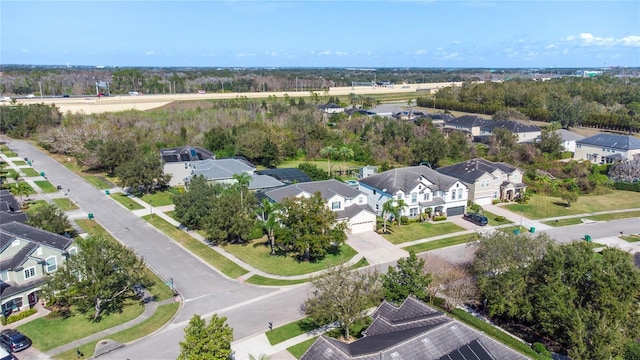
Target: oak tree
204	341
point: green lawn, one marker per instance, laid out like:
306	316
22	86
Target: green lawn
540	207
437	244
9	173
45	186
30	172
159	290
257	254
492	219
510	229
65	204
163	314
160	198
415	231
98	182
563	222
50	332
9	153
290	330
615	216
19	163
631	238
298	350
126	201
265	281
336	165
361	263
203	251
171	214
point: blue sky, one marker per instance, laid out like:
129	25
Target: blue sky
452	34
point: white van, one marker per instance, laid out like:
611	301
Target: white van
133	93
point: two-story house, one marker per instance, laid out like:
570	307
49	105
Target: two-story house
487	181
607	148
421	188
27	255
569	139
349	204
467	124
526	133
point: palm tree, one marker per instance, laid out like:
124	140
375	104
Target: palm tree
387	209
269	220
345	152
328	151
242	180
400	204
20	189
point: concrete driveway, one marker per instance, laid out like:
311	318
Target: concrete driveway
375	248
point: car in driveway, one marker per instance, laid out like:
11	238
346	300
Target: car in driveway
13	340
476	218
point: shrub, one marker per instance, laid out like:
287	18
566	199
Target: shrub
475	208
500	218
496	201
21	315
439	218
541	349
404	220
3	320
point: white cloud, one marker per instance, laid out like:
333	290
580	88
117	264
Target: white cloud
341	53
588	39
325	53
420	52
240	55
271	53
565	51
452	55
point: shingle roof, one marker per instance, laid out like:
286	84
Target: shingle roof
621	142
26	232
286	175
567	135
185	153
326	188
513	126
466	121
407	178
10	209
351	211
419	332
470	170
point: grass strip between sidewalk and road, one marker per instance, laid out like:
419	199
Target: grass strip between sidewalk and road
265	281
601	217
45	186
65	204
200	249
29	172
441	243
126	201
161	316
290	330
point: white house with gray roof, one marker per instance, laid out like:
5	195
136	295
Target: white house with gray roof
607	148
487	181
223	170
27	255
569	139
349	204
422	189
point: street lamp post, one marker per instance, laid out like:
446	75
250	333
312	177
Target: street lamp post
151	208
40	85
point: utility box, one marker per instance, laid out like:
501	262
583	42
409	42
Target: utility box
107	192
532	230
516	231
42	173
588	238
90	216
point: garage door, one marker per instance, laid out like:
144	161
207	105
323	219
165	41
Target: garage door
361	227
453	211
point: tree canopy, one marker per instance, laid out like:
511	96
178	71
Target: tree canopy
408	277
50	218
143	173
98	279
204	341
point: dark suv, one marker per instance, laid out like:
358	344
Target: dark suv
13	340
476	219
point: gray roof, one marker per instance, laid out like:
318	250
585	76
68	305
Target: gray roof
513	126
224	169
351	211
470	170
34	238
329	106
185	153
10	209
567	135
621	142
467	121
407	178
413	331
326	188
286	175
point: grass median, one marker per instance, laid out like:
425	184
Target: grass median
64	204
46	186
126	201
442	243
418	230
200	249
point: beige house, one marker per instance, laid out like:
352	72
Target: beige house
607	148
488	181
27	255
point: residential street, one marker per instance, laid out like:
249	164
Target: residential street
249	308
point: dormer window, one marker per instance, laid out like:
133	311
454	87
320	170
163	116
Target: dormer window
336	205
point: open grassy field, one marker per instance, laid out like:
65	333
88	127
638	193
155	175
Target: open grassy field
415	231
542	207
602	217
336	165
257	254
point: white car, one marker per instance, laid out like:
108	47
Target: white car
29	96
201	92
5	98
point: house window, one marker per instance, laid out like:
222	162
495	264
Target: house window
515	178
414	198
30	272
495	194
460	194
374	192
398	197
453	194
579	146
427	196
335	205
52	264
413	212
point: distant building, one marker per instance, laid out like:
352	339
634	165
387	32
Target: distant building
177	161
331	108
367	171
222	171
10	210
607	148
467	124
526	133
569	139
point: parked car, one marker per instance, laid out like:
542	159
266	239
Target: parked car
13	340
29	96
476	219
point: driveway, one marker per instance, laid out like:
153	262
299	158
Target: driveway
375	248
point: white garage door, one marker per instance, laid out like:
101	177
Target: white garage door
484	201
360	227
